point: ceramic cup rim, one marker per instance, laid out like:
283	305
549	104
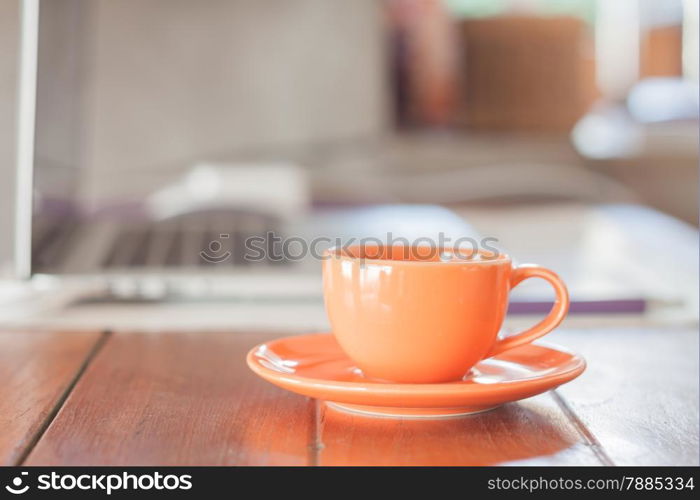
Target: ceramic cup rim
341	253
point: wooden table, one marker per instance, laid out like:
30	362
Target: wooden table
130	398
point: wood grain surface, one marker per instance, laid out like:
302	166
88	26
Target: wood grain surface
639	395
532	432
189	399
177	399
37	369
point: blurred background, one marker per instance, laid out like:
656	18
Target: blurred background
544	123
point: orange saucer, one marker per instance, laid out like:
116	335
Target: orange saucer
315	366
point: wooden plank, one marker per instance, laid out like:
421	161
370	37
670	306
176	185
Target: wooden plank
177	399
532	432
36	369
639	395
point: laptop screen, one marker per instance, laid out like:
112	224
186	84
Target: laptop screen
131	96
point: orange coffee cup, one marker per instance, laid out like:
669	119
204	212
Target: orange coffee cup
426	315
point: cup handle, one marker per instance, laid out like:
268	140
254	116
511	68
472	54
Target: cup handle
553	319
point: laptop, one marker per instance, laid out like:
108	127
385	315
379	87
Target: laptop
168	222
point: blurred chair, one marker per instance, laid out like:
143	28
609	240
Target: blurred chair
525	73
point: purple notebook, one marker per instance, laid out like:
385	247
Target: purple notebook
610	306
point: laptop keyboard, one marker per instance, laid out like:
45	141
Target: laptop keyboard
192	241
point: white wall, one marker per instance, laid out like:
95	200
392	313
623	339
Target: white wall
171	82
